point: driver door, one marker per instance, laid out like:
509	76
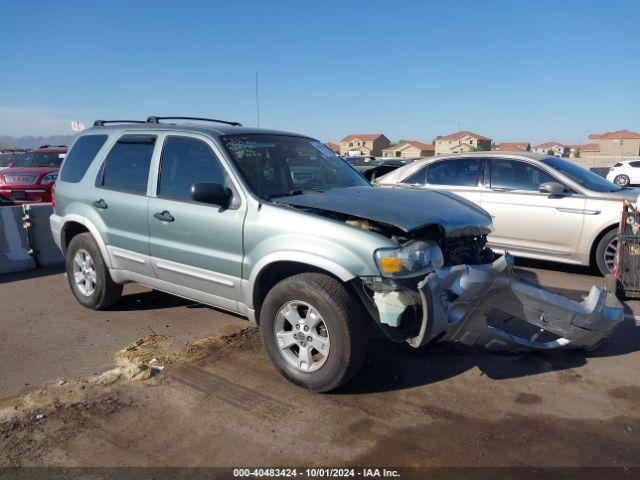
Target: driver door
525	220
195	246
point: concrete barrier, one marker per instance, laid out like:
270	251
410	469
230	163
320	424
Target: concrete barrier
15	253
25	238
45	250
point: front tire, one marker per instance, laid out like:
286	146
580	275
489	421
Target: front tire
622	180
314	331
88	275
606	252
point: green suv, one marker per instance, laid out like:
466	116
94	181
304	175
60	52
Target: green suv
276	227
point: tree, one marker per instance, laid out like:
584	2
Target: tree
576	154
550	151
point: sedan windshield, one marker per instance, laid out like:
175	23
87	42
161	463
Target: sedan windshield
280	166
40	159
582	176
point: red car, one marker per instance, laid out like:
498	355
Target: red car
32	176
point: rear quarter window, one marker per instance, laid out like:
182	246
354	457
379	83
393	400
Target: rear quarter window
80	157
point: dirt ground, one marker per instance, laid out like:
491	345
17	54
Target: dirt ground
78	390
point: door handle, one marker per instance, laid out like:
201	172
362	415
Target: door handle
164	216
101	204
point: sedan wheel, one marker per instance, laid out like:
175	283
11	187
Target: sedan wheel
622	180
610	254
302	336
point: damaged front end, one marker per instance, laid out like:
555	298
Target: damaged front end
486	305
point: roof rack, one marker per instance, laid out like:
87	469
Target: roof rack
102	123
154	119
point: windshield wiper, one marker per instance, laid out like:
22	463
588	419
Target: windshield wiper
290	194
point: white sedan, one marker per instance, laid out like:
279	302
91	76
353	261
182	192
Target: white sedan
625	173
543	207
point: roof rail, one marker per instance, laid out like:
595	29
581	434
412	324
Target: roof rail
52	146
102	123
154	119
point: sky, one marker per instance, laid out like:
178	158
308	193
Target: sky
512	70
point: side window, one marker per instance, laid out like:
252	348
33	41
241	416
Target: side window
186	161
127	165
635	164
460	172
515	175
80	157
417	178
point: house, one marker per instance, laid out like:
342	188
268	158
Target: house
363	144
334	147
513	147
463	141
553	148
409	149
587	150
620	143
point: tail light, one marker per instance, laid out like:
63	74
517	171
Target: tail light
53	197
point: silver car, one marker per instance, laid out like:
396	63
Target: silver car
276	227
542	206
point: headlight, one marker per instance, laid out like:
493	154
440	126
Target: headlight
414	258
49	178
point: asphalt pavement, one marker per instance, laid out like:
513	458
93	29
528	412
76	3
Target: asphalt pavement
220	401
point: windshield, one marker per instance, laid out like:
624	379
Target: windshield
40	159
7	158
280	166
582	176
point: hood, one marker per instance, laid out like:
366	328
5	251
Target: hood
629	194
403	208
30	170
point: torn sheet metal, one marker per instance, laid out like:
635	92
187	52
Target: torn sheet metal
486	305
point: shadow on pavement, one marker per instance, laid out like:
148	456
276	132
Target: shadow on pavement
38	272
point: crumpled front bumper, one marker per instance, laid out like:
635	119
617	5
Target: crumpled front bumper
485	305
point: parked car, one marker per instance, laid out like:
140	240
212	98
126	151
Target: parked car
308	249
32	176
625	173
372	167
9	157
542	207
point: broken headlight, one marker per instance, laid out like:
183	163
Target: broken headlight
413	258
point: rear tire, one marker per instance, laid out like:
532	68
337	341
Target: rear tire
88	275
605	252
326	301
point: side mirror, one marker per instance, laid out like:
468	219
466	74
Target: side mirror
211	193
552	188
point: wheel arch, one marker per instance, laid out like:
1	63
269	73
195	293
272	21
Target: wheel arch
266	274
76	224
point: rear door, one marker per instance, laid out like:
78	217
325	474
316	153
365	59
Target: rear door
121	200
200	247
462	176
525	219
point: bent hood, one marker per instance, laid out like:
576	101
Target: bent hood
403	208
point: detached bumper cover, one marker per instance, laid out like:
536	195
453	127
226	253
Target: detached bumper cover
486	305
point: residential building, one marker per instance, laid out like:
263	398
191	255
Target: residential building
460	142
555	148
622	143
334	147
409	149
513	147
363	144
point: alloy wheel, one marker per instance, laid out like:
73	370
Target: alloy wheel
84	272
610	254
621	180
302	336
